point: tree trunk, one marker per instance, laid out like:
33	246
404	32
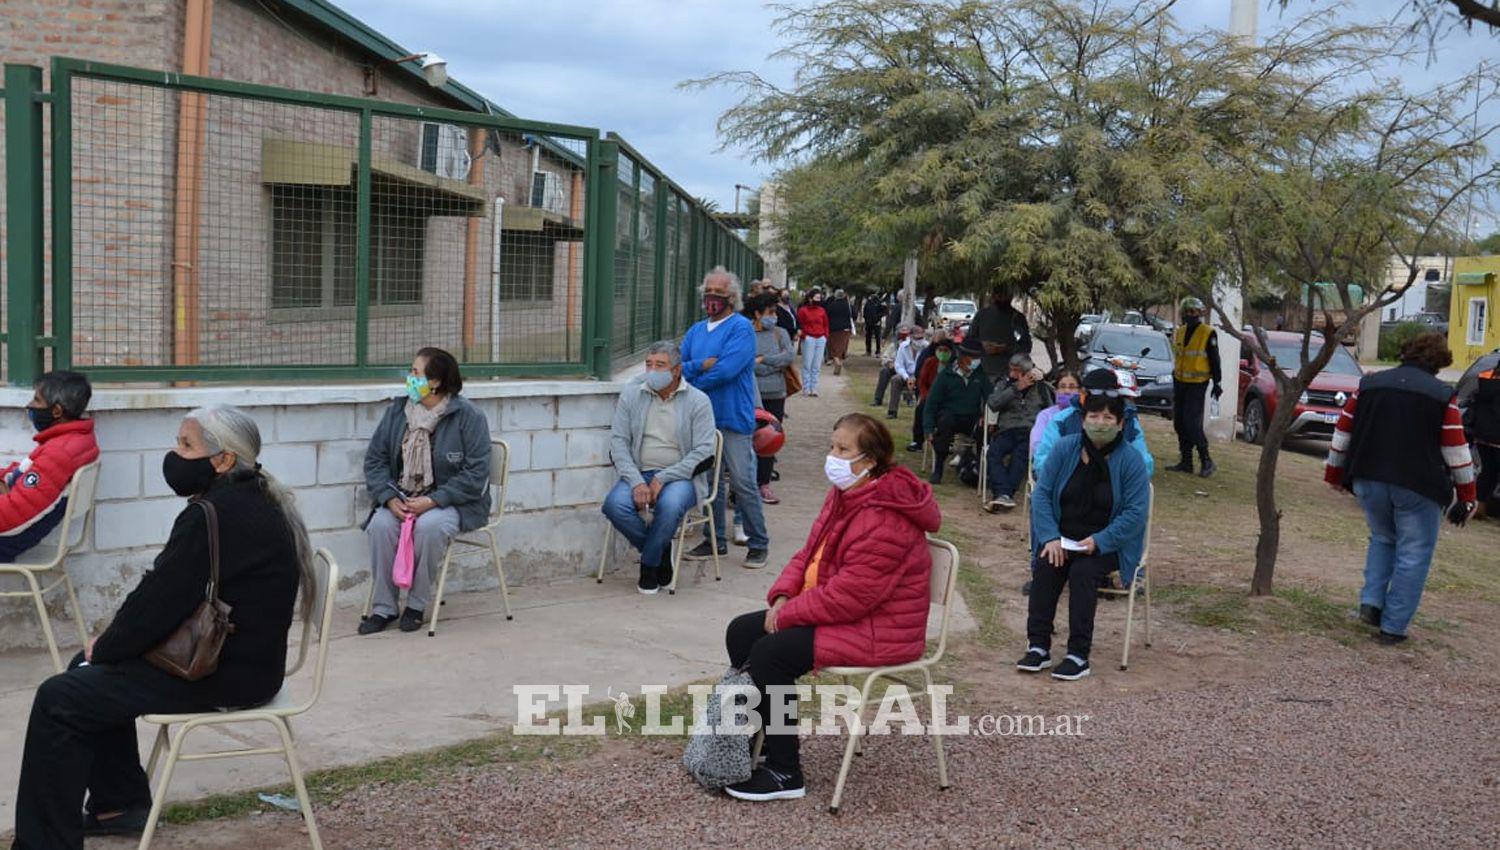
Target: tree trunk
1269	541
909	290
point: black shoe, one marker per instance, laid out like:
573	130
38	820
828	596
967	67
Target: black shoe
1369	615
1071	669
1184	466
1034	661
876	403
936	477
648	581
375	623
131	822
706	550
892	416
1208	469
755	559
767	784
664	574
1026	588
411	620
1388	639
913	447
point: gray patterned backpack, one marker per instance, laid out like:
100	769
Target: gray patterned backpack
719	757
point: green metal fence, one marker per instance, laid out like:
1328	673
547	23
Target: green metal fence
208	230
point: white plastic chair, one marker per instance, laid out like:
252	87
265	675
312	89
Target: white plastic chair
52	551
940	589
699	515
278	712
479	538
1140	582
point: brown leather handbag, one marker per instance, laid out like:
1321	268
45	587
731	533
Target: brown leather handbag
191	652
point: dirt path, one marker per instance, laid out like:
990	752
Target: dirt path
1251	734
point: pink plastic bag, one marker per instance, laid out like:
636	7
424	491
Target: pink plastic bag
405	565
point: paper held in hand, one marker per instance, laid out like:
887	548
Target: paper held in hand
1071	545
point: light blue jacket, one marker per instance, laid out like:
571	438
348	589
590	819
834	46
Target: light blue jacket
1129	485
730	383
1070	422
695	435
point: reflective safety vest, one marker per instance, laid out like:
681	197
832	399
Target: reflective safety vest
1191	366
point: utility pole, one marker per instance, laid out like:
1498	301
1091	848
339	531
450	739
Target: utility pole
737	188
1230	293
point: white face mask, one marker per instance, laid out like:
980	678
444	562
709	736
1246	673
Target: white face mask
840	472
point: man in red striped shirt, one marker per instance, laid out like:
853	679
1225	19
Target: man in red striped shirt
1404	455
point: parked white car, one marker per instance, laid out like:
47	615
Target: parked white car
953	312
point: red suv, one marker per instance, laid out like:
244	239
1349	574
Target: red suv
1317	409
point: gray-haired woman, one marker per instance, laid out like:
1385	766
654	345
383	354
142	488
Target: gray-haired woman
429	459
81	736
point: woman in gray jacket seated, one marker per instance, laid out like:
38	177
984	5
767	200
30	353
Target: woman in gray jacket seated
430	459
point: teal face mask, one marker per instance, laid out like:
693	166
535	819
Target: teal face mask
417	388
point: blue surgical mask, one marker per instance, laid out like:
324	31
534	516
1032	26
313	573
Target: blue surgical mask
658	380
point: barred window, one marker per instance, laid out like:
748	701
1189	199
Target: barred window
313	241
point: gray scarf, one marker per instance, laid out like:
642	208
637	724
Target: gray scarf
416	447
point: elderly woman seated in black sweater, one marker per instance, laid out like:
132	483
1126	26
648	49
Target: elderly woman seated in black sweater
81	735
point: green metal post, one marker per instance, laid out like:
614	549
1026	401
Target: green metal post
599	245
635	251
362	243
24	269
62	218
658	272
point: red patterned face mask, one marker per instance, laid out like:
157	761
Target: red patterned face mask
713	305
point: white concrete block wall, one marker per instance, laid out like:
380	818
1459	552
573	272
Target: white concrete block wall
314	442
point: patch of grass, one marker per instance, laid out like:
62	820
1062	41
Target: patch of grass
1290	610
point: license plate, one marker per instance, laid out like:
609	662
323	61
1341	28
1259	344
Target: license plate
1330	418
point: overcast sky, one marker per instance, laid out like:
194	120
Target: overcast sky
615	64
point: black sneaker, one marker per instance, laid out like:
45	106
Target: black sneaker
1184	466
767	784
892	416
1071	669
664	573
755	559
706	550
375	623
1369	615
913	446
1209	467
937	475
648	581
411	620
1034	661
131	822
1388	639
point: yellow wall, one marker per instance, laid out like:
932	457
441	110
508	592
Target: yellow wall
1458	310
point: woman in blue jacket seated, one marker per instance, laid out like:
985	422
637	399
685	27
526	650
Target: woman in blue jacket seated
1088	515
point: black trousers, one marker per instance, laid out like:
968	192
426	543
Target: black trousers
1080	574
1489	478
81	737
946	427
764	466
1187	420
774	659
917	434
872	338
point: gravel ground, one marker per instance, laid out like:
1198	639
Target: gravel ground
1285	742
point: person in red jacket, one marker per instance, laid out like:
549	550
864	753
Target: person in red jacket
854	595
33	492
812	319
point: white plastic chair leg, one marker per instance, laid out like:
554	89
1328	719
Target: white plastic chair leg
303	799
609	537
41	612
159	798
437	601
83	635
499	571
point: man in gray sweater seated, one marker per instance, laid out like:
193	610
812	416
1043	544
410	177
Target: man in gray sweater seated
1017	400
662	445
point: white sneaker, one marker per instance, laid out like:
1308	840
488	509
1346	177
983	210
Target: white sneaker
740	537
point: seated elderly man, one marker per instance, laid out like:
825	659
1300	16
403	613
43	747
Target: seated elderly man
662	445
34	491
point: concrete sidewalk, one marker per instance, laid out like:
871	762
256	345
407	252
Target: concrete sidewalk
395	693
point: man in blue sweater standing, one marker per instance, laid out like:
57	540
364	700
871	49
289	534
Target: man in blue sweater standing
718	357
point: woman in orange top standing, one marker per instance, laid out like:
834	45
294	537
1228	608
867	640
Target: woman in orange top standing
855	594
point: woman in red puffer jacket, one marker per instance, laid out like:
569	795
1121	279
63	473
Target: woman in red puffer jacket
855	595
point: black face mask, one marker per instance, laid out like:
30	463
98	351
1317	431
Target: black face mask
188	476
1191	321
41	418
